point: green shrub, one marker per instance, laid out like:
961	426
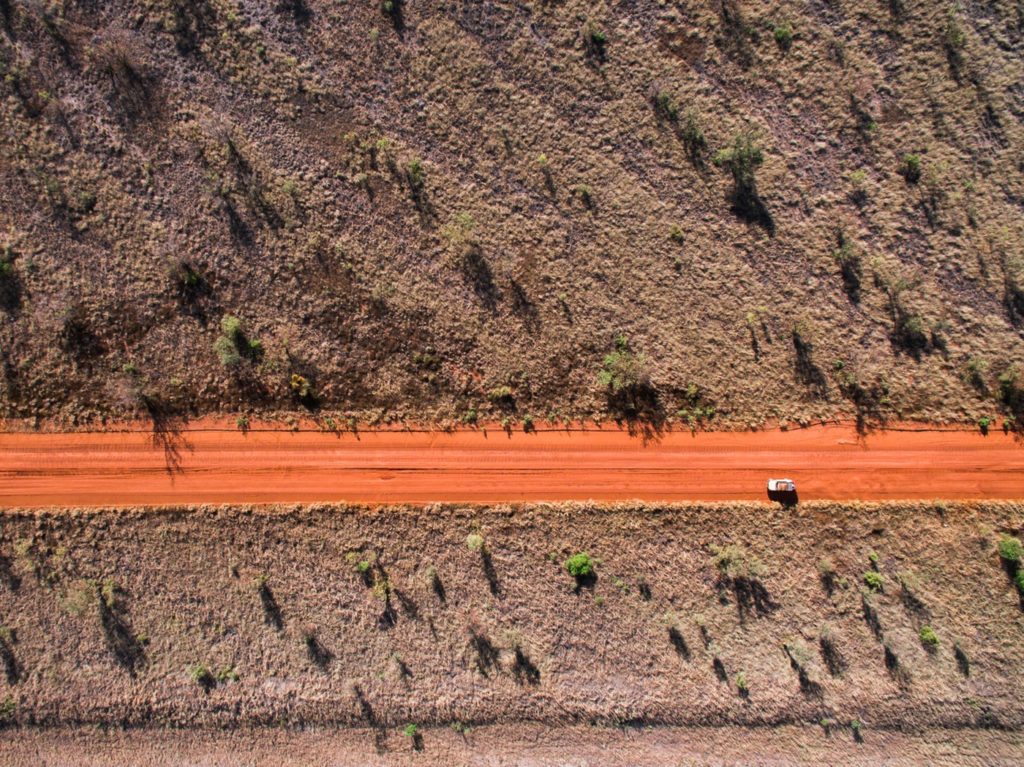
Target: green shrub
227	352
736	563
741	682
417	175
954	39
873	580
784	35
1018	581
411	730
928	637
594	40
666	106
579	565
910	168
624	371
692	133
475	542
742	159
201	675
1010	550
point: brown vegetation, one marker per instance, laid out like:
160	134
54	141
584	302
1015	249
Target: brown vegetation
372	619
411	205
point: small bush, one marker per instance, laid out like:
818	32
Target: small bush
910	168
417	176
227	352
693	134
736	563
475	542
928	637
201	675
594	40
411	730
579	565
624	371
666	106
874	580
784	35
1010	550
231	327
954	39
586	195
741	683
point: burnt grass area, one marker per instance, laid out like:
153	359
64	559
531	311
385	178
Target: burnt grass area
695	616
438	212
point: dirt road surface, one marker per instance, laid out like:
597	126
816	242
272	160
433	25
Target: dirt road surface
219	465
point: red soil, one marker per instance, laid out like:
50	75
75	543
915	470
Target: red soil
227	466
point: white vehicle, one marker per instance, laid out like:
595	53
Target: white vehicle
781	486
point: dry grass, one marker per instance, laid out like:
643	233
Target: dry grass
356	618
308	162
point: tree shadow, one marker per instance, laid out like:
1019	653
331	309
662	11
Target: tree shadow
524	308
7	575
748	206
127	649
319	655
896	670
640	409
678	642
271	609
524	669
807	372
10	290
395	10
485	654
298	9
437	586
478	273
752	598
830	654
719	669
586	582
380	733
409	607
167	431
12	669
489	572
871	617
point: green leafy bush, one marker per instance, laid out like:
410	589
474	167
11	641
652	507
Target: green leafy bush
784	35
666	106
910	168
623	370
928	637
579	565
475	542
1010	549
874	580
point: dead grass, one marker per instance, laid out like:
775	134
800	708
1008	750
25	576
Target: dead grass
268	147
105	609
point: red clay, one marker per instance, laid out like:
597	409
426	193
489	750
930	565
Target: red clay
227	466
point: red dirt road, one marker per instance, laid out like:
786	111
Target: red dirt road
226	466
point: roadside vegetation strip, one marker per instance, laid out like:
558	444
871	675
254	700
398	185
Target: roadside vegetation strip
345	617
828	462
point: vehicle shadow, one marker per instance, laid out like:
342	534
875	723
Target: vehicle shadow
786	498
